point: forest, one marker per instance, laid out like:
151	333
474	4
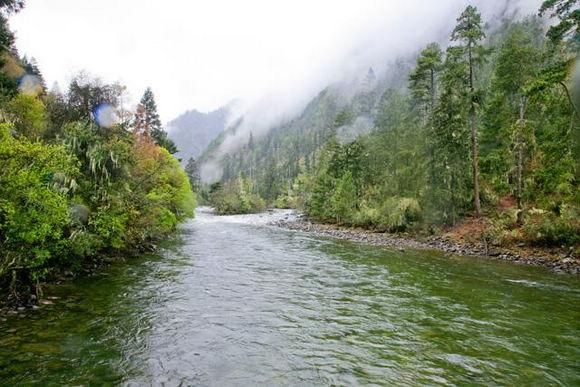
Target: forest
82	178
480	129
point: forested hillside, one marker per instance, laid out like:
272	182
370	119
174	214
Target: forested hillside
81	176
481	127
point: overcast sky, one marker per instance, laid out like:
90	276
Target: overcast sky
202	54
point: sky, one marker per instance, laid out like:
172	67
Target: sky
202	54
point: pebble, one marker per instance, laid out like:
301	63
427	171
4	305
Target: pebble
299	223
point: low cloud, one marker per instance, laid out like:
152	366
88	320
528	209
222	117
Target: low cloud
399	30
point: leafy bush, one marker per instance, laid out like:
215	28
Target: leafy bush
393	215
399	214
161	195
343	201
548	228
236	197
28	114
33	206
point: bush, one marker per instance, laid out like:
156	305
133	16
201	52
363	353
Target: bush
28	115
236	197
400	214
34	210
343	202
160	196
548	228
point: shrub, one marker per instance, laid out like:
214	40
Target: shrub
28	114
548	228
236	197
344	200
34	210
399	214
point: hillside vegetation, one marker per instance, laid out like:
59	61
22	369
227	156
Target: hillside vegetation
484	129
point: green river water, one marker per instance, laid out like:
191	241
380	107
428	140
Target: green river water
231	301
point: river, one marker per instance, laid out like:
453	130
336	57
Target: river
232	301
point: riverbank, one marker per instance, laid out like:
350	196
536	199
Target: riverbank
559	260
28	297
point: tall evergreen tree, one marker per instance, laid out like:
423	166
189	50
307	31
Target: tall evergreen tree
422	80
6	36
192	171
450	138
469	32
147	121
366	98
516	68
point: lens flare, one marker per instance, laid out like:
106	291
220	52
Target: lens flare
105	115
30	84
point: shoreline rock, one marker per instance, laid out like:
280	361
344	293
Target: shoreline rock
540	257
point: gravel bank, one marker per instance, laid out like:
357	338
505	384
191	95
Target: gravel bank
563	263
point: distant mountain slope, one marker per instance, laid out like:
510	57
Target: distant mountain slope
346	110
193	131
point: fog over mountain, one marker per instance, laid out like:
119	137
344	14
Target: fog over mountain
386	39
192	131
275	56
388	46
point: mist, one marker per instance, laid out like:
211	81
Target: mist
400	31
271	57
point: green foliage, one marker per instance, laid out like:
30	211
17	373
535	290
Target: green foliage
549	228
192	171
236	197
93	191
343	201
568	14
28	114
147	122
398	214
33	204
415	169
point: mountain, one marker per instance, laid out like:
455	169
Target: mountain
343	110
193	131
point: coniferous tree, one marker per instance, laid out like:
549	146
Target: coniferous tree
568	14
147	121
192	171
366	98
516	69
469	32
423	79
451	138
6	36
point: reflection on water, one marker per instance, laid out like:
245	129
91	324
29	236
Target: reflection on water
232	301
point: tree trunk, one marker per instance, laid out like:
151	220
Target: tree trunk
432	90
520	150
474	153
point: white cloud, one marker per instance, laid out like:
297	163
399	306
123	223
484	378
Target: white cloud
202	54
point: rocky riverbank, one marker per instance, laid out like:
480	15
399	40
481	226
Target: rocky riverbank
558	260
